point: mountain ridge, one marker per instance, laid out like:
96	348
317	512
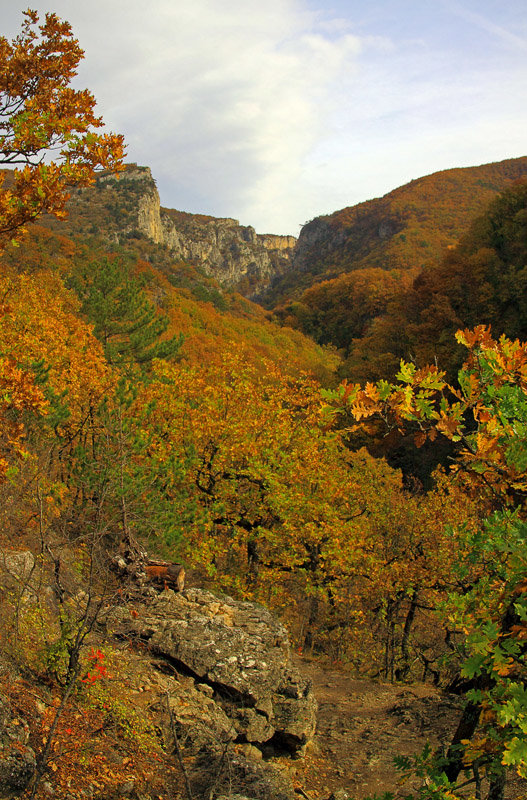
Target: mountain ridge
407	228
235	255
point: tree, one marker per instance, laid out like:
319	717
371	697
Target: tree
487	604
271	504
18	395
121	480
42	335
125	321
46	125
339	310
482	280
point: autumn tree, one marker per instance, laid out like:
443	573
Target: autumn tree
45	124
19	395
487	604
340	310
268	501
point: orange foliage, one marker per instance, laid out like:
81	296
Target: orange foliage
339	310
41	113
18	394
41	325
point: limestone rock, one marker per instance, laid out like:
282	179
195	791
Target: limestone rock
16	568
242	777
199	721
238	650
234	254
317	240
17	759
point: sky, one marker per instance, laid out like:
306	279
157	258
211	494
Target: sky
278	111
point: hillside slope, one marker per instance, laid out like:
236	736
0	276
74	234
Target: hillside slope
408	228
211	318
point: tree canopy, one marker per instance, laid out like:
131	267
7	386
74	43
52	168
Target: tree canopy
45	124
486	604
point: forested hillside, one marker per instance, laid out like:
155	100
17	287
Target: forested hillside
387	301
482	280
406	229
154	421
349	265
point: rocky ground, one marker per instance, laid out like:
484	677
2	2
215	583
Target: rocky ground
362	725
239	715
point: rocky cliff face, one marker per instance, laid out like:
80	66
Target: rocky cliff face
234	254
318	240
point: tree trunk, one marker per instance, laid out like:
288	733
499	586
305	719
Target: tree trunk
253	562
402	671
465	730
497	785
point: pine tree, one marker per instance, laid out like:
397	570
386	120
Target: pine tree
126	490
125	321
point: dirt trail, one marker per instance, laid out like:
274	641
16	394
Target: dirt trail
363	724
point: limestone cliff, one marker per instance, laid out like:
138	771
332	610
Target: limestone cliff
234	254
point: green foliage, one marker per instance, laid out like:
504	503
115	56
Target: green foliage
124	319
488	601
57	651
126	485
203	288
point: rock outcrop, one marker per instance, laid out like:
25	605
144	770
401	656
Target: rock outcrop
318	240
237	256
234	659
214	678
236	703
17	759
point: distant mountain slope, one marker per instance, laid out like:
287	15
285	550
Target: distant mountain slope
408	228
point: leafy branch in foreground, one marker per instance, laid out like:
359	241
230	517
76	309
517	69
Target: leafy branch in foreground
487	415
45	125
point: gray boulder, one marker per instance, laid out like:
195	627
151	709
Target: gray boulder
17	759
238	658
16	569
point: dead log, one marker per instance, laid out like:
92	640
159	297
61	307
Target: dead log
168	575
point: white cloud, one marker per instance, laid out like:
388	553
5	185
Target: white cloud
274	112
223	98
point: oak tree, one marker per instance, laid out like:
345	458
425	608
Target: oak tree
486	414
45	125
